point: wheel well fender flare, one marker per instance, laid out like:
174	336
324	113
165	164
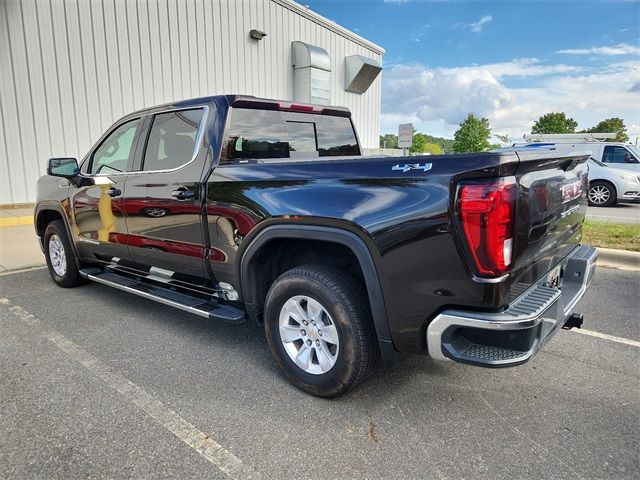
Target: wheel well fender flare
56	207
328	234
608	182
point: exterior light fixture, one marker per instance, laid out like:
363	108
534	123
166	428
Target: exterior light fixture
257	34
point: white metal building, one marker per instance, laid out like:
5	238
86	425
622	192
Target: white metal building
69	69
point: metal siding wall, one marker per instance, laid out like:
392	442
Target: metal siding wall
71	68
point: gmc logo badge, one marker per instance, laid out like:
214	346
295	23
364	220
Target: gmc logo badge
571	191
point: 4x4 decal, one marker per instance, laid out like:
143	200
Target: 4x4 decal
411	166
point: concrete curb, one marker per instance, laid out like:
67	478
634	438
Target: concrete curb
15	221
622	259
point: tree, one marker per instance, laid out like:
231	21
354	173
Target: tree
504	139
445	143
419	143
389	140
614	124
473	135
554	122
433	148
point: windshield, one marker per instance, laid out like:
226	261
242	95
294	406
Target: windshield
598	162
635	150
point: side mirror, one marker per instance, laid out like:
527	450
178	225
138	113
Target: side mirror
63	167
630	158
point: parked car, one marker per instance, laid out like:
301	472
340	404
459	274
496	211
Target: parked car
625	156
340	258
608	185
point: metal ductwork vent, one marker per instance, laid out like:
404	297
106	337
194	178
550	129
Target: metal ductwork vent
311	74
360	72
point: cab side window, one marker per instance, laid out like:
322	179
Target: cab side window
115	152
613	154
172	139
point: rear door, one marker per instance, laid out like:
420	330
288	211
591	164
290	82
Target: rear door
162	200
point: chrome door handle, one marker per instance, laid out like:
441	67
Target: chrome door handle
182	194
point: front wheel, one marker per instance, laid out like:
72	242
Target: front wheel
319	329
61	260
601	194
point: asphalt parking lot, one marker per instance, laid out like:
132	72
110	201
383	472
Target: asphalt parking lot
619	213
98	384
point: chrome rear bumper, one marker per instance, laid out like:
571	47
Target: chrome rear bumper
515	335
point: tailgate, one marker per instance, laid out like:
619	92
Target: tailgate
550	210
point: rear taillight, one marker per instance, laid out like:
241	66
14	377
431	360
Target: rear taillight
486	209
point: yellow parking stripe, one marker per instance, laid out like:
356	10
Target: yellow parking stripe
14	221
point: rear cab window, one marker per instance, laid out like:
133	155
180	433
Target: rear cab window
272	134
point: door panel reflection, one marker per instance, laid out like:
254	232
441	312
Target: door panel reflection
164	231
98	219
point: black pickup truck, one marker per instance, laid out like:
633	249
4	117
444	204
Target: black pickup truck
235	208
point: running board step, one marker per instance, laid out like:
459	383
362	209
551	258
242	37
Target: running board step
210	309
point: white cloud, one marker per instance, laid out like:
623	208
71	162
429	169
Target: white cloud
519	67
479	25
619	49
417	34
436	100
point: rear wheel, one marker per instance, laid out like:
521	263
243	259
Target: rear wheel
60	257
319	329
601	194
156	212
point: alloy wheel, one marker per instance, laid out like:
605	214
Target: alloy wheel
309	334
57	255
155	212
599	194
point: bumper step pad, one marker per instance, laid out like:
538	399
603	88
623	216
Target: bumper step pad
513	336
484	353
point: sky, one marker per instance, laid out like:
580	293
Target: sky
510	61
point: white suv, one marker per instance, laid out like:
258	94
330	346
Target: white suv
608	185
615	154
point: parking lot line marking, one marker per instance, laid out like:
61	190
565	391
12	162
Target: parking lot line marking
22	270
202	443
591	333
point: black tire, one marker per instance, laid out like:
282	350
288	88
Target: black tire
605	188
346	303
155	212
71	276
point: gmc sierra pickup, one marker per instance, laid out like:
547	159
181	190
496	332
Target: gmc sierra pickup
234	207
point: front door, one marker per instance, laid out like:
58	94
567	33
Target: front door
98	222
620	157
162	201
